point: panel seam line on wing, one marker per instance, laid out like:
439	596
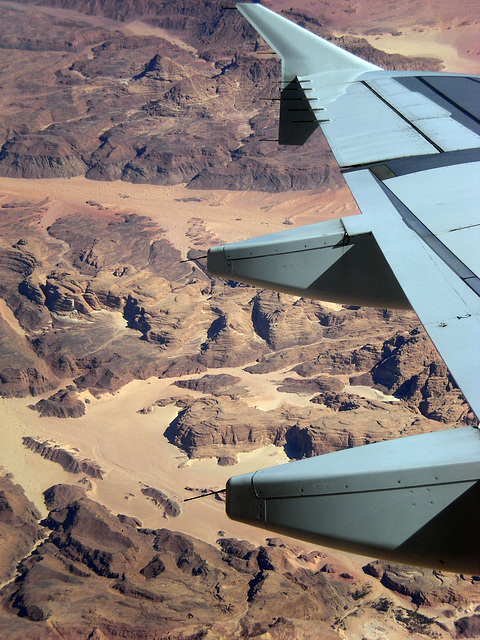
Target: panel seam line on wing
431	240
404	118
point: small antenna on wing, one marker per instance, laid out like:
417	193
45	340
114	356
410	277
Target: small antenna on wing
204	495
193	259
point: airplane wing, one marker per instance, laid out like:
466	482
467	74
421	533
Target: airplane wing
408	145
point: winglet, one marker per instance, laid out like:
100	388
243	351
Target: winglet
302	53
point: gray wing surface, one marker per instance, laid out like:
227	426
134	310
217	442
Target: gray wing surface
408	145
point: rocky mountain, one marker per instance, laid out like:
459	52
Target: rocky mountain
100	299
177	321
82	96
156	583
95	295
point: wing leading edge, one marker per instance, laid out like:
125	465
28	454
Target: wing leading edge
409	148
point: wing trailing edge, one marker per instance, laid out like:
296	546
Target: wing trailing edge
304	55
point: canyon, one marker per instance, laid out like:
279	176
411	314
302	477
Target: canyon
131	379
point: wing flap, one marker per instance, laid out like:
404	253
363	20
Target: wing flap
452	215
434	280
362	129
319	261
434	121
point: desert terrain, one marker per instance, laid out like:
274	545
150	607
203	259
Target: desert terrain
130	379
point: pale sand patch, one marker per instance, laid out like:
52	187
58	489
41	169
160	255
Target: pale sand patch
132	450
227	216
10	319
263	393
369	393
441	44
31	471
139	28
333	306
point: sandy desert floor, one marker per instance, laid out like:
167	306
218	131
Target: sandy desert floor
129	446
229	215
459	53
444	29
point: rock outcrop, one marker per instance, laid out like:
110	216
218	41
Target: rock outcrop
216	385
423	586
210	427
409	368
309	386
60	495
125	579
113	563
142	84
171	509
63	404
68	459
19	526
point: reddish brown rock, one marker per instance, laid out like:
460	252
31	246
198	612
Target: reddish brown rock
170	507
282	325
210	427
308	386
39	156
423	586
410	368
19	526
67	459
60	495
213	384
63	404
468	627
344	401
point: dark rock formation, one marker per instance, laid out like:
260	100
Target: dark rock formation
423	586
19	528
226	461
132	521
170	507
60	495
63	404
215	384
126	126
308	386
153	569
468	627
67	459
39	156
409	368
210	427
344	401
118	576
